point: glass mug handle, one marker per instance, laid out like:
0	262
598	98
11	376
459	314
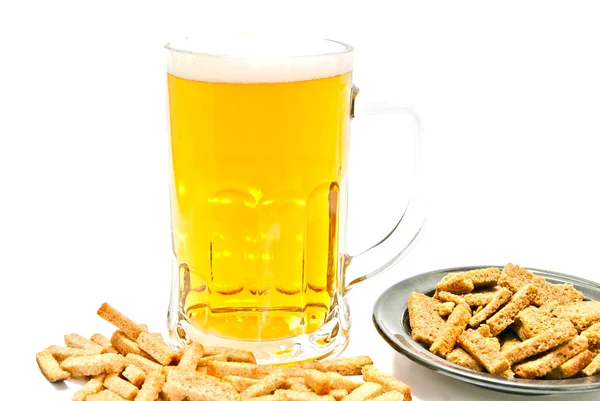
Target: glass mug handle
405	234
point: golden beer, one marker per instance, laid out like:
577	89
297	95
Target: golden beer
258	200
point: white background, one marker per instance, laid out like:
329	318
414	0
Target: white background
509	95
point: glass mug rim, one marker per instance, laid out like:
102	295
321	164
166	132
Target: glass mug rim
179	46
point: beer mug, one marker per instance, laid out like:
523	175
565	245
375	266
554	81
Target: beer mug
259	143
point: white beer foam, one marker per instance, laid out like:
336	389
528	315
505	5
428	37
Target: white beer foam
257	59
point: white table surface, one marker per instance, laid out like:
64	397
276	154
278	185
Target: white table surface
509	95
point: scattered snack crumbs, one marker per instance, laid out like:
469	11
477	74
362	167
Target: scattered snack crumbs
137	365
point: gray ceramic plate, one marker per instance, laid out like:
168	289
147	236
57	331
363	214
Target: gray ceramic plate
390	316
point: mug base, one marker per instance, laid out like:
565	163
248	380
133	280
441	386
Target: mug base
327	342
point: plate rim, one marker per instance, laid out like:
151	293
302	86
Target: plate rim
412	350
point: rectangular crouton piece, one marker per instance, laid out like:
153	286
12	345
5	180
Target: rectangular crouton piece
501	297
135	375
121	387
232	354
481	297
593	367
482	349
152	386
572	366
514	277
454	326
445	308
194	386
540	343
389	396
291	395
93	386
372	374
365	391
317	381
425	322
546	362
337	381
143	363
461	357
593	335
581	314
455	283
93	365
344	366
125	324
104	342
509	340
50	367
155	346
240	383
126	345
79	341
243	369
191	356
531	321
265	386
338	393
465	282
61	353
445	296
505	316
104	395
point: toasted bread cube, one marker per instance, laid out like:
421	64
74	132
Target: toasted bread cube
546	362
126	345
152	386
194	386
50	367
425	322
540	343
501	297
454	326
240	383
593	335
243	369
291	395
61	353
461	357
572	366
483	350
317	381
93	386
120	387
271	397
104	342
366	391
156	347
191	356
104	395
344	366
144	364
389	383
337	381
126	325
264	387
593	367
514	277
505	316
93	365
482	297
581	314
232	354
79	341
389	396
445	308
338	393
135	375
455	283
